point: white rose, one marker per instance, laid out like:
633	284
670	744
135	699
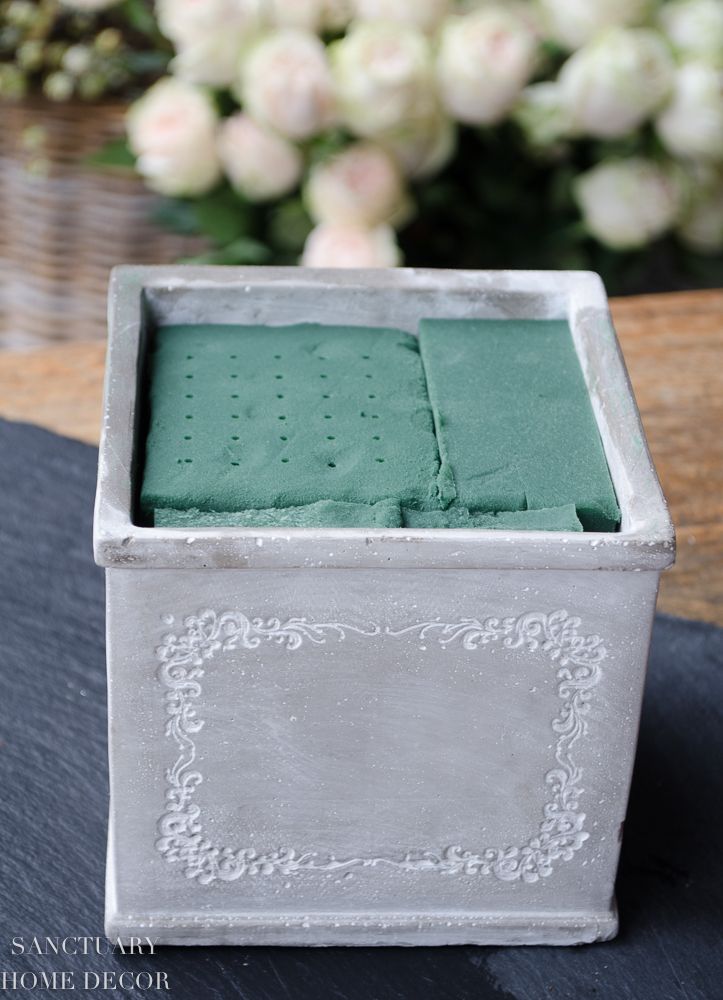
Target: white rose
423	14
422	148
695	27
614	83
702	224
485	58
286	83
628	203
383	76
361	186
543	115
259	163
209	36
572	23
523	9
692	123
306	14
184	20
90	5
211	60
172	131
351	246
337	14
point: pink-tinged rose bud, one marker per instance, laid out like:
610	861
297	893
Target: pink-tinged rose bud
361	186
210	36
383	77
261	164
172	131
613	84
485	58
184	20
423	14
351	246
286	83
628	203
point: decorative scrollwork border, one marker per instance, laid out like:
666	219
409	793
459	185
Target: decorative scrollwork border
577	659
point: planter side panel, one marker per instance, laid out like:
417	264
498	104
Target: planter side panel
354	756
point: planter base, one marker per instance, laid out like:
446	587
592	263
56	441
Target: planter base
363	929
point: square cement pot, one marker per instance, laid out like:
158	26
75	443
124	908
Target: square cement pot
370	736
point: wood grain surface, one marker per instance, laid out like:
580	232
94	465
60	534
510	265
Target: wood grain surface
673	345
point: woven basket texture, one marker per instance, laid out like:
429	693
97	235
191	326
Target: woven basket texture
65	223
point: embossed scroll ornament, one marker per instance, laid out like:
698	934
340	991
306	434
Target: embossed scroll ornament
576	659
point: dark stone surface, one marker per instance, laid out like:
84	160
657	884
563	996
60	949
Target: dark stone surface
53	800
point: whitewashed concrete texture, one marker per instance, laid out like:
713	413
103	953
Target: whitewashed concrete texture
360	736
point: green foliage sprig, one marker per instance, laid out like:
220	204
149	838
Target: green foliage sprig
64	54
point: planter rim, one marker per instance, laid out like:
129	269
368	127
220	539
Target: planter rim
140	296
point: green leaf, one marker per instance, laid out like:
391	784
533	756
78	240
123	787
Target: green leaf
703	270
140	17
115	153
327	145
223	216
289	225
226	103
176	214
149	63
242	251
560	194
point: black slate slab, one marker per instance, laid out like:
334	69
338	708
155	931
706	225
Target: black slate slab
53	801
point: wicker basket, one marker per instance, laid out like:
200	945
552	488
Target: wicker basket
64	224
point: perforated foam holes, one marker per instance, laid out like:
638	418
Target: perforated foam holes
279	375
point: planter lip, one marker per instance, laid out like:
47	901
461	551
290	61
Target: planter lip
141	294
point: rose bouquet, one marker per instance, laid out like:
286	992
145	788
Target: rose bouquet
525	133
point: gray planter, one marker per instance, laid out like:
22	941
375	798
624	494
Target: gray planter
371	736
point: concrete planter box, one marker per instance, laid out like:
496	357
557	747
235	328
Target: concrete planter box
371	736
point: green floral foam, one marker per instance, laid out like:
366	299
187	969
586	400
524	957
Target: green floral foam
252	418
385	514
546	519
514	421
478	424
322	514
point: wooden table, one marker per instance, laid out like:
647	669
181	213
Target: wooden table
673	345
